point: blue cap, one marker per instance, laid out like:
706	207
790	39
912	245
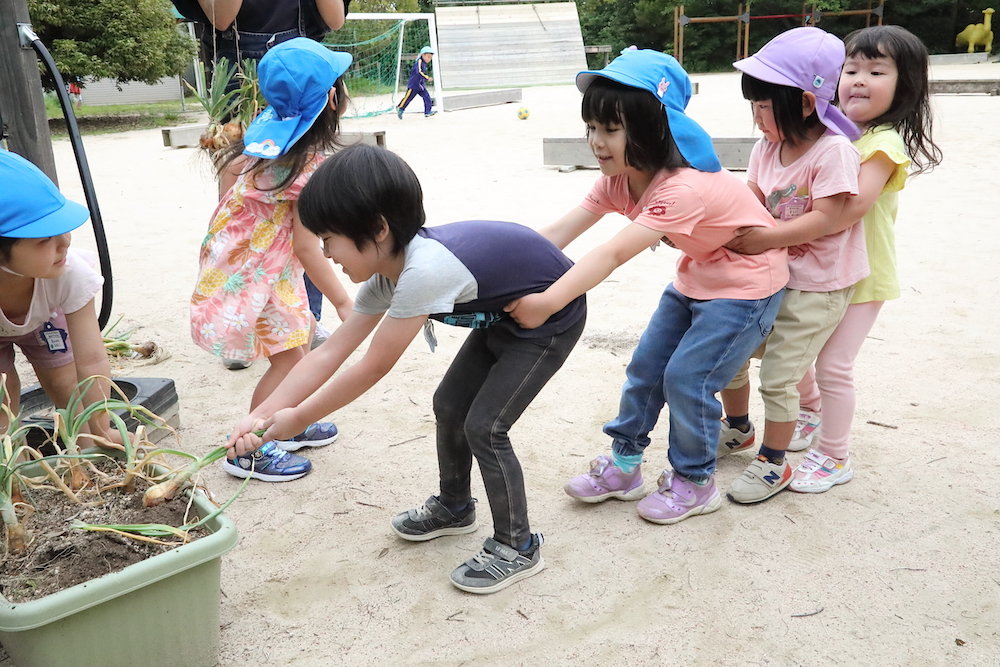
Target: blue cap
31	207
295	78
426	49
662	76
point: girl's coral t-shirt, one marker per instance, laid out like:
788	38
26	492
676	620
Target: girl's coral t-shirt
699	212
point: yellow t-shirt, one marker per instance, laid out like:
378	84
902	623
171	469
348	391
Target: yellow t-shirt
882	284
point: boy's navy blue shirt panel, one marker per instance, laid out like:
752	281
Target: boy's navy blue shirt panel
474	266
418	75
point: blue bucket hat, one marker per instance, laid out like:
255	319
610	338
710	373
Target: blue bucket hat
424	50
31	206
295	78
662	76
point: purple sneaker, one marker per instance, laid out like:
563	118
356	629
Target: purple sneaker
678	498
605	480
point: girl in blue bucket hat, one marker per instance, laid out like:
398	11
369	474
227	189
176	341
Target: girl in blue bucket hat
660	171
47	292
249	302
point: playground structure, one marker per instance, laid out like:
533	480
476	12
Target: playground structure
978	33
743	19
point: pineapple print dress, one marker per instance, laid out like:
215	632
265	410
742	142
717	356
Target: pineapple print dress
250	301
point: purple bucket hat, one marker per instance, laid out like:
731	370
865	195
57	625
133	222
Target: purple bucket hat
809	59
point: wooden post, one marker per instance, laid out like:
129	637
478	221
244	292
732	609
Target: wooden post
739	31
677	20
22	106
680	56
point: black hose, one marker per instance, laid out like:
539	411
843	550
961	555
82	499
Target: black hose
88	182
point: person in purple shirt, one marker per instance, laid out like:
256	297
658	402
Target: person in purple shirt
417	85
366	204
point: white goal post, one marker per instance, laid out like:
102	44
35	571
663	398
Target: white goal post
432	31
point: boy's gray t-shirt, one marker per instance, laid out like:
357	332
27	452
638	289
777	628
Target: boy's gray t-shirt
475	266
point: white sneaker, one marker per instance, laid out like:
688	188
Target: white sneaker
819	473
320	336
731	439
806	430
761	480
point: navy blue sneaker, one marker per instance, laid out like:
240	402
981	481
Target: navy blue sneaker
315	435
268	463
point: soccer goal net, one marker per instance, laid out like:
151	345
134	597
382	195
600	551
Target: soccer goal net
384	47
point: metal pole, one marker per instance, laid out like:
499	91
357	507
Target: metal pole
22	104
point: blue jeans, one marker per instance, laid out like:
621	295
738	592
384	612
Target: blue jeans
690	350
315	297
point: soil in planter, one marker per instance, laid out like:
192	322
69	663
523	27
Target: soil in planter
59	556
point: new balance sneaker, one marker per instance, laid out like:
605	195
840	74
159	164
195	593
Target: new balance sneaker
731	439
806	430
677	498
432	519
497	566
315	435
761	480
268	463
819	473
605	480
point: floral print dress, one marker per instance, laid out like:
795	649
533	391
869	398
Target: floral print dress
250	301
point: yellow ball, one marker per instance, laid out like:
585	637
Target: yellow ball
523	113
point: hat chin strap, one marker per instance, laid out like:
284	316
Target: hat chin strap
13	273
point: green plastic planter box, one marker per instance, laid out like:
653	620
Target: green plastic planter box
161	612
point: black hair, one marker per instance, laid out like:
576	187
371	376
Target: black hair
786	104
649	146
323	135
910	111
356	189
7	247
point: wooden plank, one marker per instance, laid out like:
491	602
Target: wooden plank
22	106
480	98
188	135
733	152
987	86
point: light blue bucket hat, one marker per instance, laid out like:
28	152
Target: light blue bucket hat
664	77
295	77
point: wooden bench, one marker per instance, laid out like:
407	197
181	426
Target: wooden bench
188	135
480	98
987	86
570	153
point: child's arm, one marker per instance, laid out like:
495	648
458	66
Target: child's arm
299	401
332	12
91	358
875	173
228	177
565	229
533	310
306	246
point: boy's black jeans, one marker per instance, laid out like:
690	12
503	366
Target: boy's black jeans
492	380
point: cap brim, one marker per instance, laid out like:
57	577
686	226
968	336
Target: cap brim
585	78
762	71
61	221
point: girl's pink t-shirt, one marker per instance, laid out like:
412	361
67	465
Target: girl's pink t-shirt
699	212
829	168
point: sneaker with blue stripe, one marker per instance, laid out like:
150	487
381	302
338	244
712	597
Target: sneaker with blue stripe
315	435
268	463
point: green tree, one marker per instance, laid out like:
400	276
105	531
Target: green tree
125	40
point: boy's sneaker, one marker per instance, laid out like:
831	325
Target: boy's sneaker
497	566
268	463
315	435
399	113
806	430
605	480
677	498
732	439
428	115
819	473
432	519
761	480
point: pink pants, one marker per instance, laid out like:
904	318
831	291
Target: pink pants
830	384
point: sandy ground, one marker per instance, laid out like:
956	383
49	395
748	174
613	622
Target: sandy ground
899	567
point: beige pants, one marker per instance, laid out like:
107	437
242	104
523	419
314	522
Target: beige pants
805	321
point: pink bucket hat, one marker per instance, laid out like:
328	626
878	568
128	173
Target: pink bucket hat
809	59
